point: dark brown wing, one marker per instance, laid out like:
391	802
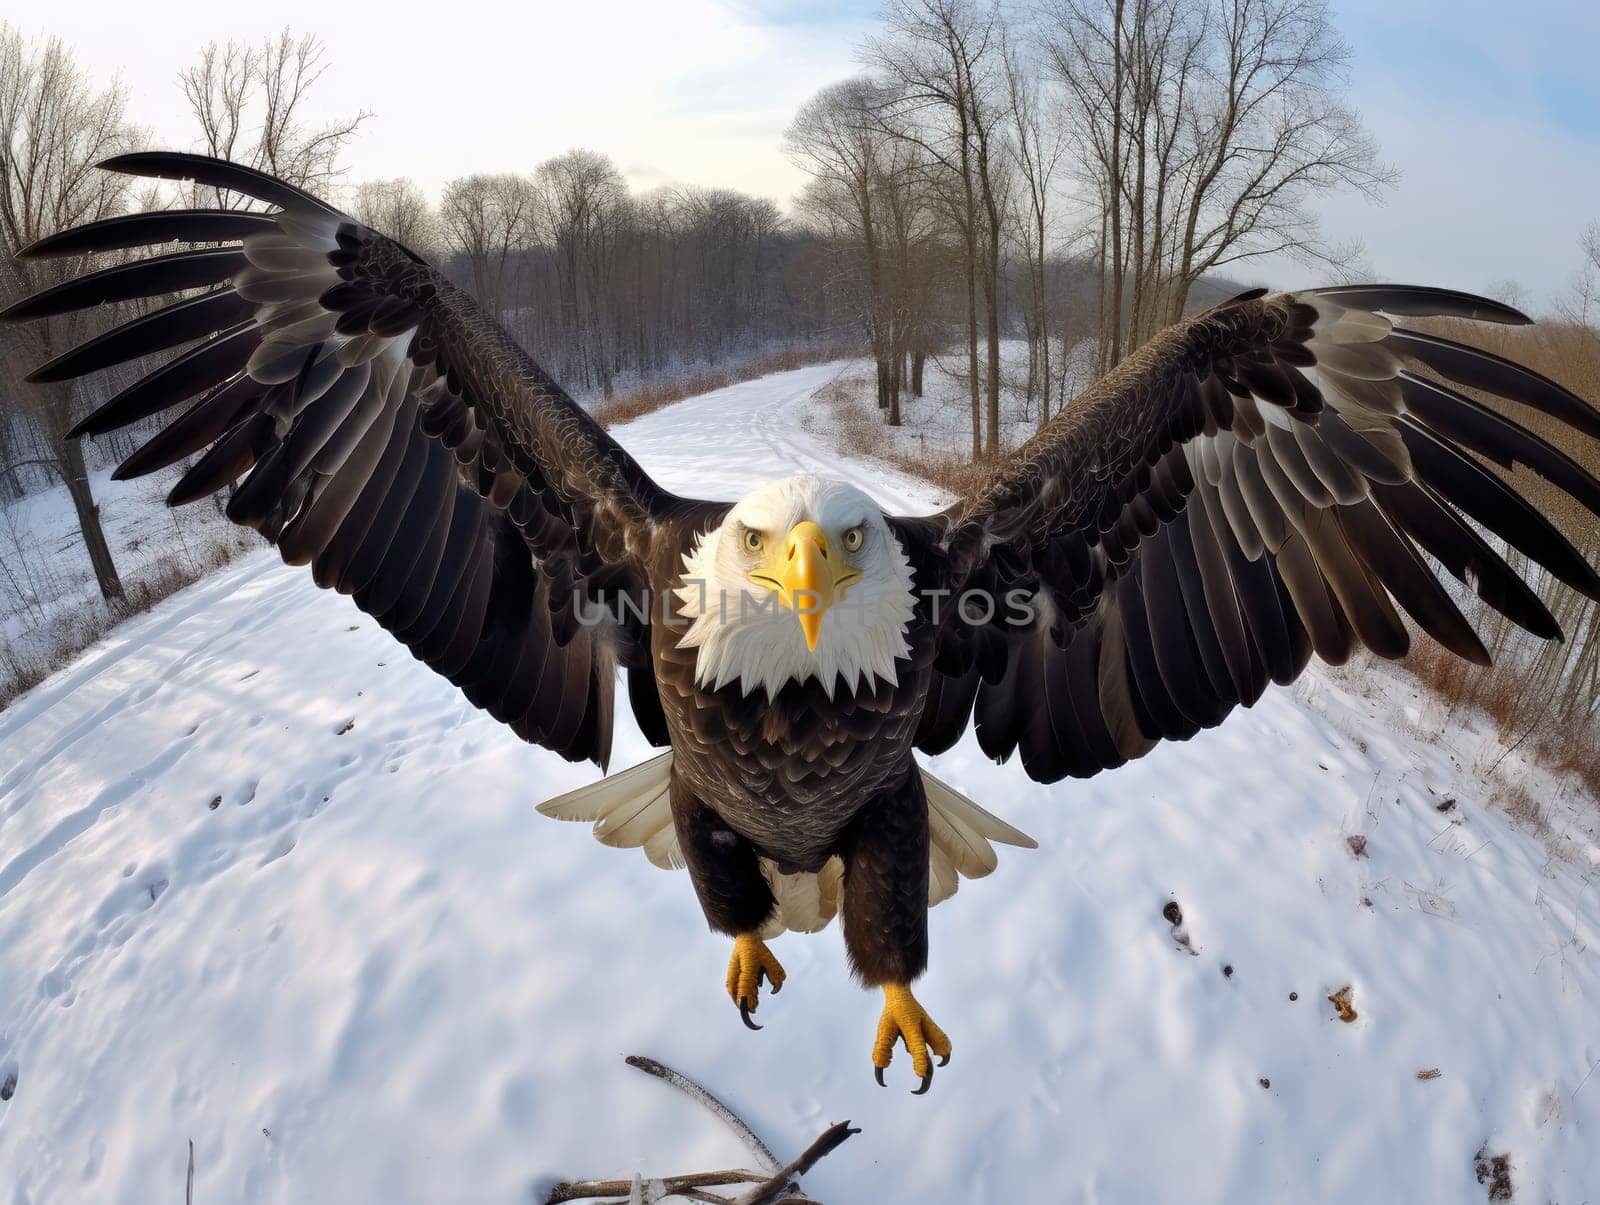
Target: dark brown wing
1260	482
388	433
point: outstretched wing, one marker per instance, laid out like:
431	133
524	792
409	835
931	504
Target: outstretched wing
388	433
1260	482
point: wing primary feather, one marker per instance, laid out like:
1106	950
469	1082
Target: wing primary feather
1422	301
217	173
335	566
196	370
1484	497
1407	577
1478	369
1363	598
1480	429
202	424
1434	524
171	273
150	229
178	323
226	460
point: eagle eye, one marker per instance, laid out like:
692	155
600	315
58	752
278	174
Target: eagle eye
752	540
853	538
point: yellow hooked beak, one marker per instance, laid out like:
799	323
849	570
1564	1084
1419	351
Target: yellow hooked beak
807	578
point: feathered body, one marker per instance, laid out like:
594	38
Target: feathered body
787	744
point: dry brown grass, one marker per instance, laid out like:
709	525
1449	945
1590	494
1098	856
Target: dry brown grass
625	407
1543	698
860	431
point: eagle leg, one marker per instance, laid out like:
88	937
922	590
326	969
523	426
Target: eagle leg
904	1018
734	894
886	919
750	964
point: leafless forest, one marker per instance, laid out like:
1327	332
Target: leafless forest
1071	174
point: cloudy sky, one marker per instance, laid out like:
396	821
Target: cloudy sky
1491	110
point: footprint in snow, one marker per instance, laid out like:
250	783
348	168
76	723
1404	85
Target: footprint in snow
1174	916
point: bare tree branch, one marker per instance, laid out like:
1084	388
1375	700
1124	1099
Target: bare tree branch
773	1185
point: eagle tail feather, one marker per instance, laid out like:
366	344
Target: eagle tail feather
632	809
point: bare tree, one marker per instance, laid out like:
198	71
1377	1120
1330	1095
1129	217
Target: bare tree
726	237
1038	143
55	125
939	56
1128	68
838	140
868	198
250	100
601	284
1581	305
915	237
400	210
486	219
582	208
1206	128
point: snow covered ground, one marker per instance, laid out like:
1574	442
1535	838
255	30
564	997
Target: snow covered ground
268	885
937	427
50	604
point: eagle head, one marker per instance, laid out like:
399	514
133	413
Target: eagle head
802	579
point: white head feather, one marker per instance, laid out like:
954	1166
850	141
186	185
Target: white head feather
740	632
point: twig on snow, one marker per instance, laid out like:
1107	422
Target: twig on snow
622	1190
694	1091
825	1143
772	1185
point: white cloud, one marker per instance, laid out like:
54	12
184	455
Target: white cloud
700	91
697	87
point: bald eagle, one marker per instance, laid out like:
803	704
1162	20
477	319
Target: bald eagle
1275	477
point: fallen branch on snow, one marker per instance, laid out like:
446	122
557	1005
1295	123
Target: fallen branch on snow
772	1185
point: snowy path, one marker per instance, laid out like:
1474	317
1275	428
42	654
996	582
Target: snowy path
267	884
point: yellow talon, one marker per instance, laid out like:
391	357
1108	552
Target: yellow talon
907	1020
751	961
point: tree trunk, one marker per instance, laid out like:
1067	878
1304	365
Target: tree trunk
895	372
1033	362
918	359
970	232
69	455
1043	310
992	315
993	392
972	347
1044	373
1115	191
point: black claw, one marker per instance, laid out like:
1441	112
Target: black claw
744	1015
945	1061
776	988
877	1074
927	1082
